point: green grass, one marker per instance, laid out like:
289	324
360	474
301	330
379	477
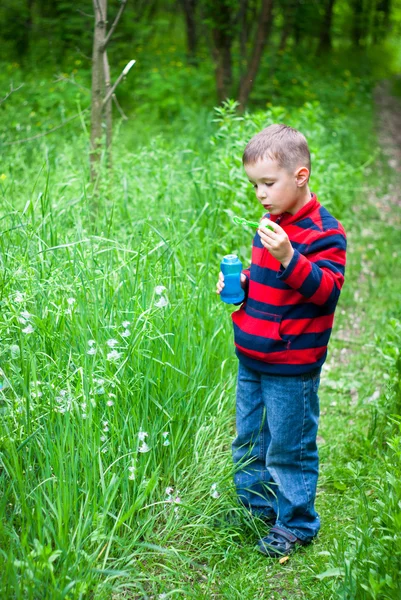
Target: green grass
85	512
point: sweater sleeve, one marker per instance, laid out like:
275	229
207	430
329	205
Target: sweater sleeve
318	273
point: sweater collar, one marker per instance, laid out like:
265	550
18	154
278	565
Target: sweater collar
286	218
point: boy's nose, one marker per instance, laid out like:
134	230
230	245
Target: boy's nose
260	193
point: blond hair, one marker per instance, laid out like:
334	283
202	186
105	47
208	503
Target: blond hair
287	146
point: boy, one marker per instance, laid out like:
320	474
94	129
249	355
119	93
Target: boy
281	332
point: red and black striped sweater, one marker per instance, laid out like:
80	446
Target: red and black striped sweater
284	325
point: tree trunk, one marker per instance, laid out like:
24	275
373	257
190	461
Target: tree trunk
357	27
108	108
189	8
243	34
325	42
100	9
262	33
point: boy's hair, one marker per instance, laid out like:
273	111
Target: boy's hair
287	146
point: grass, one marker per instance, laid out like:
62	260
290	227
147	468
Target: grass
84	507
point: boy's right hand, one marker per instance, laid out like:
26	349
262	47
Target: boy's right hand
220	283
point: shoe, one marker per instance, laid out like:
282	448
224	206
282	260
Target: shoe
279	543
239	518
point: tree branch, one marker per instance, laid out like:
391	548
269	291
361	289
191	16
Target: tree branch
122	74
112	28
12	90
39	135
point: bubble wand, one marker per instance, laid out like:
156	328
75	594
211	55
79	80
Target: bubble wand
241	221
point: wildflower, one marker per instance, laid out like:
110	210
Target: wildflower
126	324
142	435
25	314
84	416
113	355
169	491
131	472
70	301
91	343
166	442
126	333
162	302
213	491
15	351
91	351
83	405
110	403
111	343
159	289
99	391
131	476
103	438
28	329
143	448
19	297
104	450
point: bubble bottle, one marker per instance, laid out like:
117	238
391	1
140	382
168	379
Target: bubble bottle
231	267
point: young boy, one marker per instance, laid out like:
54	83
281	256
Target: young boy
281	333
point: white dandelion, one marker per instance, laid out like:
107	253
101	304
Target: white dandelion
213	491
142	435
162	302
91	343
111	343
126	333
28	329
113	355
159	289
92	351
71	301
143	448
126	324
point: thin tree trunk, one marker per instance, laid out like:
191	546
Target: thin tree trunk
108	109
325	41
262	33
100	9
189	8
243	34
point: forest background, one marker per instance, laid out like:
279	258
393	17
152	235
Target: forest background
117	400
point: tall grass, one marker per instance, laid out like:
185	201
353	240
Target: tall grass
117	422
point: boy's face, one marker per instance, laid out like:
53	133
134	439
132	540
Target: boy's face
277	189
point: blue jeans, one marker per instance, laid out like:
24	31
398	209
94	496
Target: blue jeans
275	452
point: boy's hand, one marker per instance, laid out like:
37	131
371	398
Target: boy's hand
220	283
277	243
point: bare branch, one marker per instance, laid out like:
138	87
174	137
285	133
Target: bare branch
116	20
12	90
39	135
122	74
120	110
81	12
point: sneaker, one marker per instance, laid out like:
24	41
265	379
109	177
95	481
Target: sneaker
279	542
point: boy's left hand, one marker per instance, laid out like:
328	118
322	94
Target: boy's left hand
277	243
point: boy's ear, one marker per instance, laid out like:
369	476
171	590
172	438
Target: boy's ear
302	176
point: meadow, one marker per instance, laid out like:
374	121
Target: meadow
117	411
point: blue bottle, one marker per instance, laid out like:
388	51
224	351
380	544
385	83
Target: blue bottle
231	267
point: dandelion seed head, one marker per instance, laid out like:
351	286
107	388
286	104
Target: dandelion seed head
126	324
112	342
162	302
91	343
91	351
159	289
126	333
113	355
143	448
71	301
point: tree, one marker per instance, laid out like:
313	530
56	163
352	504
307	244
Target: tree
262	33
102	90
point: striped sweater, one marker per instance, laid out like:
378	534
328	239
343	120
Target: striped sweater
284	325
